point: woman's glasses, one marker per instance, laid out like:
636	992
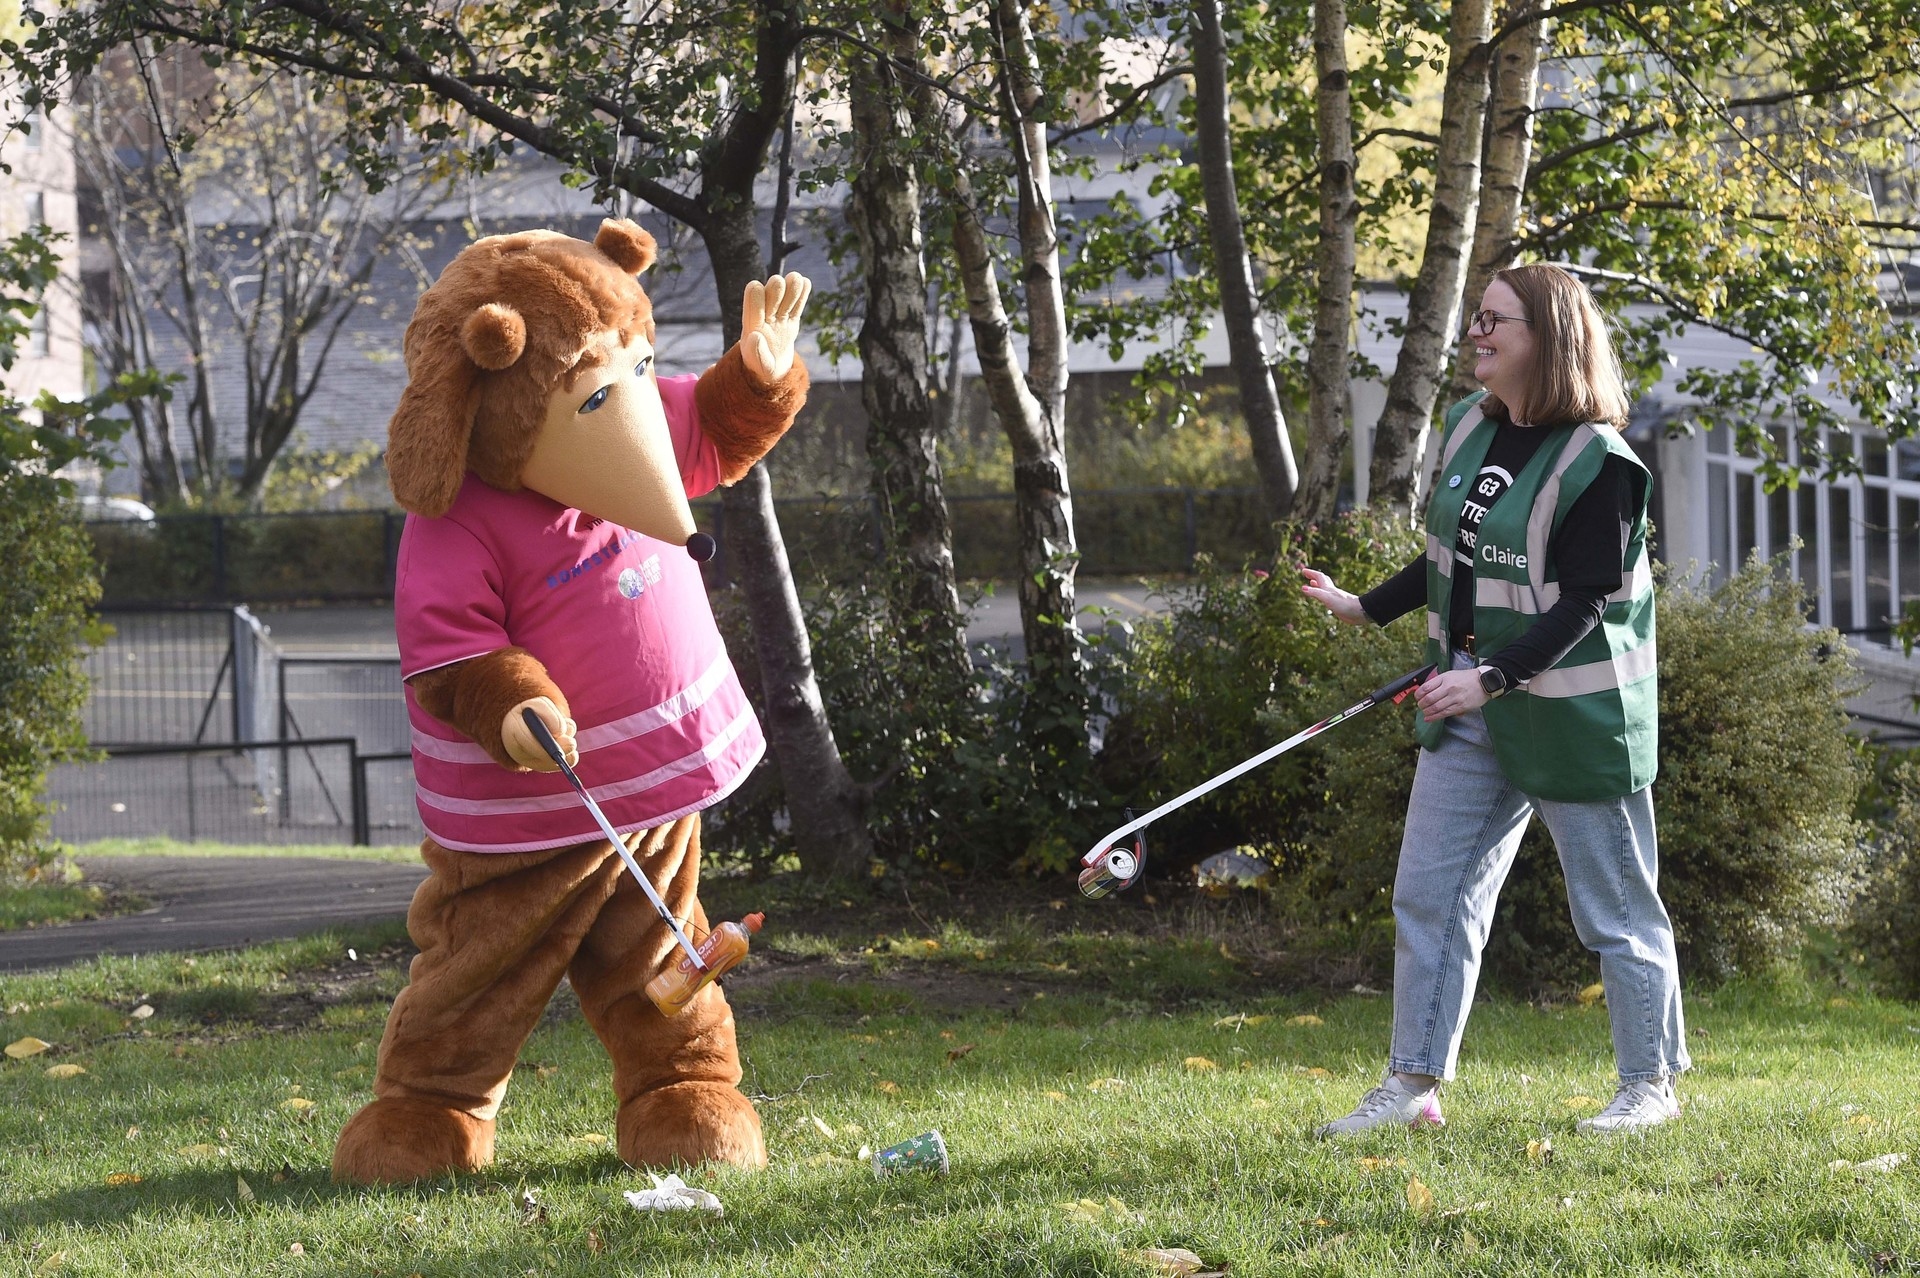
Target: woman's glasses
1482	322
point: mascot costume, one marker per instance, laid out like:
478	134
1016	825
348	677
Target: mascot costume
547	563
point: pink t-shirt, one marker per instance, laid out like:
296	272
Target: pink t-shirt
622	624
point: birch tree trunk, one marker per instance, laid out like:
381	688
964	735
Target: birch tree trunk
1233	268
1433	309
1329	388
903	430
1031	409
1503	180
829	824
827	807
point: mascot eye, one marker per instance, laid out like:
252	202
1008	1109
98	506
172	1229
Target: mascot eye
595	400
640	369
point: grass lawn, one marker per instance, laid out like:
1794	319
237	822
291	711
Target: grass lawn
179	847
30	904
1100	1092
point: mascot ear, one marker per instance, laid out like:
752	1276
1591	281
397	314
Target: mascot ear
494	336
631	248
427	438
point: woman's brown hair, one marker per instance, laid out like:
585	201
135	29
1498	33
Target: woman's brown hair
1576	374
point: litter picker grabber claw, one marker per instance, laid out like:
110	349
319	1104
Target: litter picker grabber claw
1108	868
539	729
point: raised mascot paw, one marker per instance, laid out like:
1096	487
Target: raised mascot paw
770	324
683	1124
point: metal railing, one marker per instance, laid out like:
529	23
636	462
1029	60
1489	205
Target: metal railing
232	793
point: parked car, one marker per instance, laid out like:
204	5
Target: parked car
97	510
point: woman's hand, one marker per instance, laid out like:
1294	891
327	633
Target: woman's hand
1343	604
1455	692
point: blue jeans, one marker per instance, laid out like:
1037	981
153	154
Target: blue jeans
1464	825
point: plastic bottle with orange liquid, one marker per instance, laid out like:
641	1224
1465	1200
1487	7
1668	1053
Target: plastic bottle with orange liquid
724	947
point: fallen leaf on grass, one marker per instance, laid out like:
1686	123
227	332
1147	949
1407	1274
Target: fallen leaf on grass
1054	1096
296	1250
204	1151
65	1071
819	1125
1870	1166
1239	1021
594	1243
1173	1262
22	1048
1581	1102
51	1265
296	1105
1540	1151
1419	1197
590	1138
1592	994
1375	1164
888	1086
1839	1002
118	1179
1316	1072
1485	1204
954	1054
1107	1085
1259	1102
1306	1019
141	1012
1092	1210
1858	1120
1199	1064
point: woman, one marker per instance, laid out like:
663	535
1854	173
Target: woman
1539	610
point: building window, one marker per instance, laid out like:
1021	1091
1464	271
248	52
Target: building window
1859	560
35	126
36	209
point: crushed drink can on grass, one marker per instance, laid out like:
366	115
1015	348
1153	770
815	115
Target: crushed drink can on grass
922	1153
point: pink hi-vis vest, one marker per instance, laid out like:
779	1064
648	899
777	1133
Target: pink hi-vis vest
622	624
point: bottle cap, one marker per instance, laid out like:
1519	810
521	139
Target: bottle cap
752	922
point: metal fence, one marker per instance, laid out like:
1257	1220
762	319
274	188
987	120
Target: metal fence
210	731
230	793
348	556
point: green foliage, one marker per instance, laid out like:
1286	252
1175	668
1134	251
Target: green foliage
1885	925
49	584
970	767
1757	781
1243	660
46	596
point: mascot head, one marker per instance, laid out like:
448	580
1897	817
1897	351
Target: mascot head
530	363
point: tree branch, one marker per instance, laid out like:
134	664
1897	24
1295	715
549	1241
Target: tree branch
1125	105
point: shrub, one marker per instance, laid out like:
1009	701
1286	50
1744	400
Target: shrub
1756	784
46	593
1754	798
960	775
1885	925
1242	660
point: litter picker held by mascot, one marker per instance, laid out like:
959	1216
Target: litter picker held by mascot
549	566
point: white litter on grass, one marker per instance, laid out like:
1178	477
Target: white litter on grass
1870	1166
674	1194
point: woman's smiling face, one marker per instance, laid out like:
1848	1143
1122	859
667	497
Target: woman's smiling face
1503	357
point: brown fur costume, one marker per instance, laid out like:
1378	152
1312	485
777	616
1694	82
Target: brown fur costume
509	324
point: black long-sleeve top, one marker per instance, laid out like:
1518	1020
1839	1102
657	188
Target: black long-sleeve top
1587	550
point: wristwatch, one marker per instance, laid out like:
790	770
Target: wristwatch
1493	681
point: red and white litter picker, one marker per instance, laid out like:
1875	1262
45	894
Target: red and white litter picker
1109	869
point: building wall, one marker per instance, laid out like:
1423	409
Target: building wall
40	188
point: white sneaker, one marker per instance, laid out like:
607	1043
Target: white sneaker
1634	1108
1392	1104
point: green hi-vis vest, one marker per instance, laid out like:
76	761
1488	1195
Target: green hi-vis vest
1588	727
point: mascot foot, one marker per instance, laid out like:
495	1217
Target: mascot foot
396	1141
689	1123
